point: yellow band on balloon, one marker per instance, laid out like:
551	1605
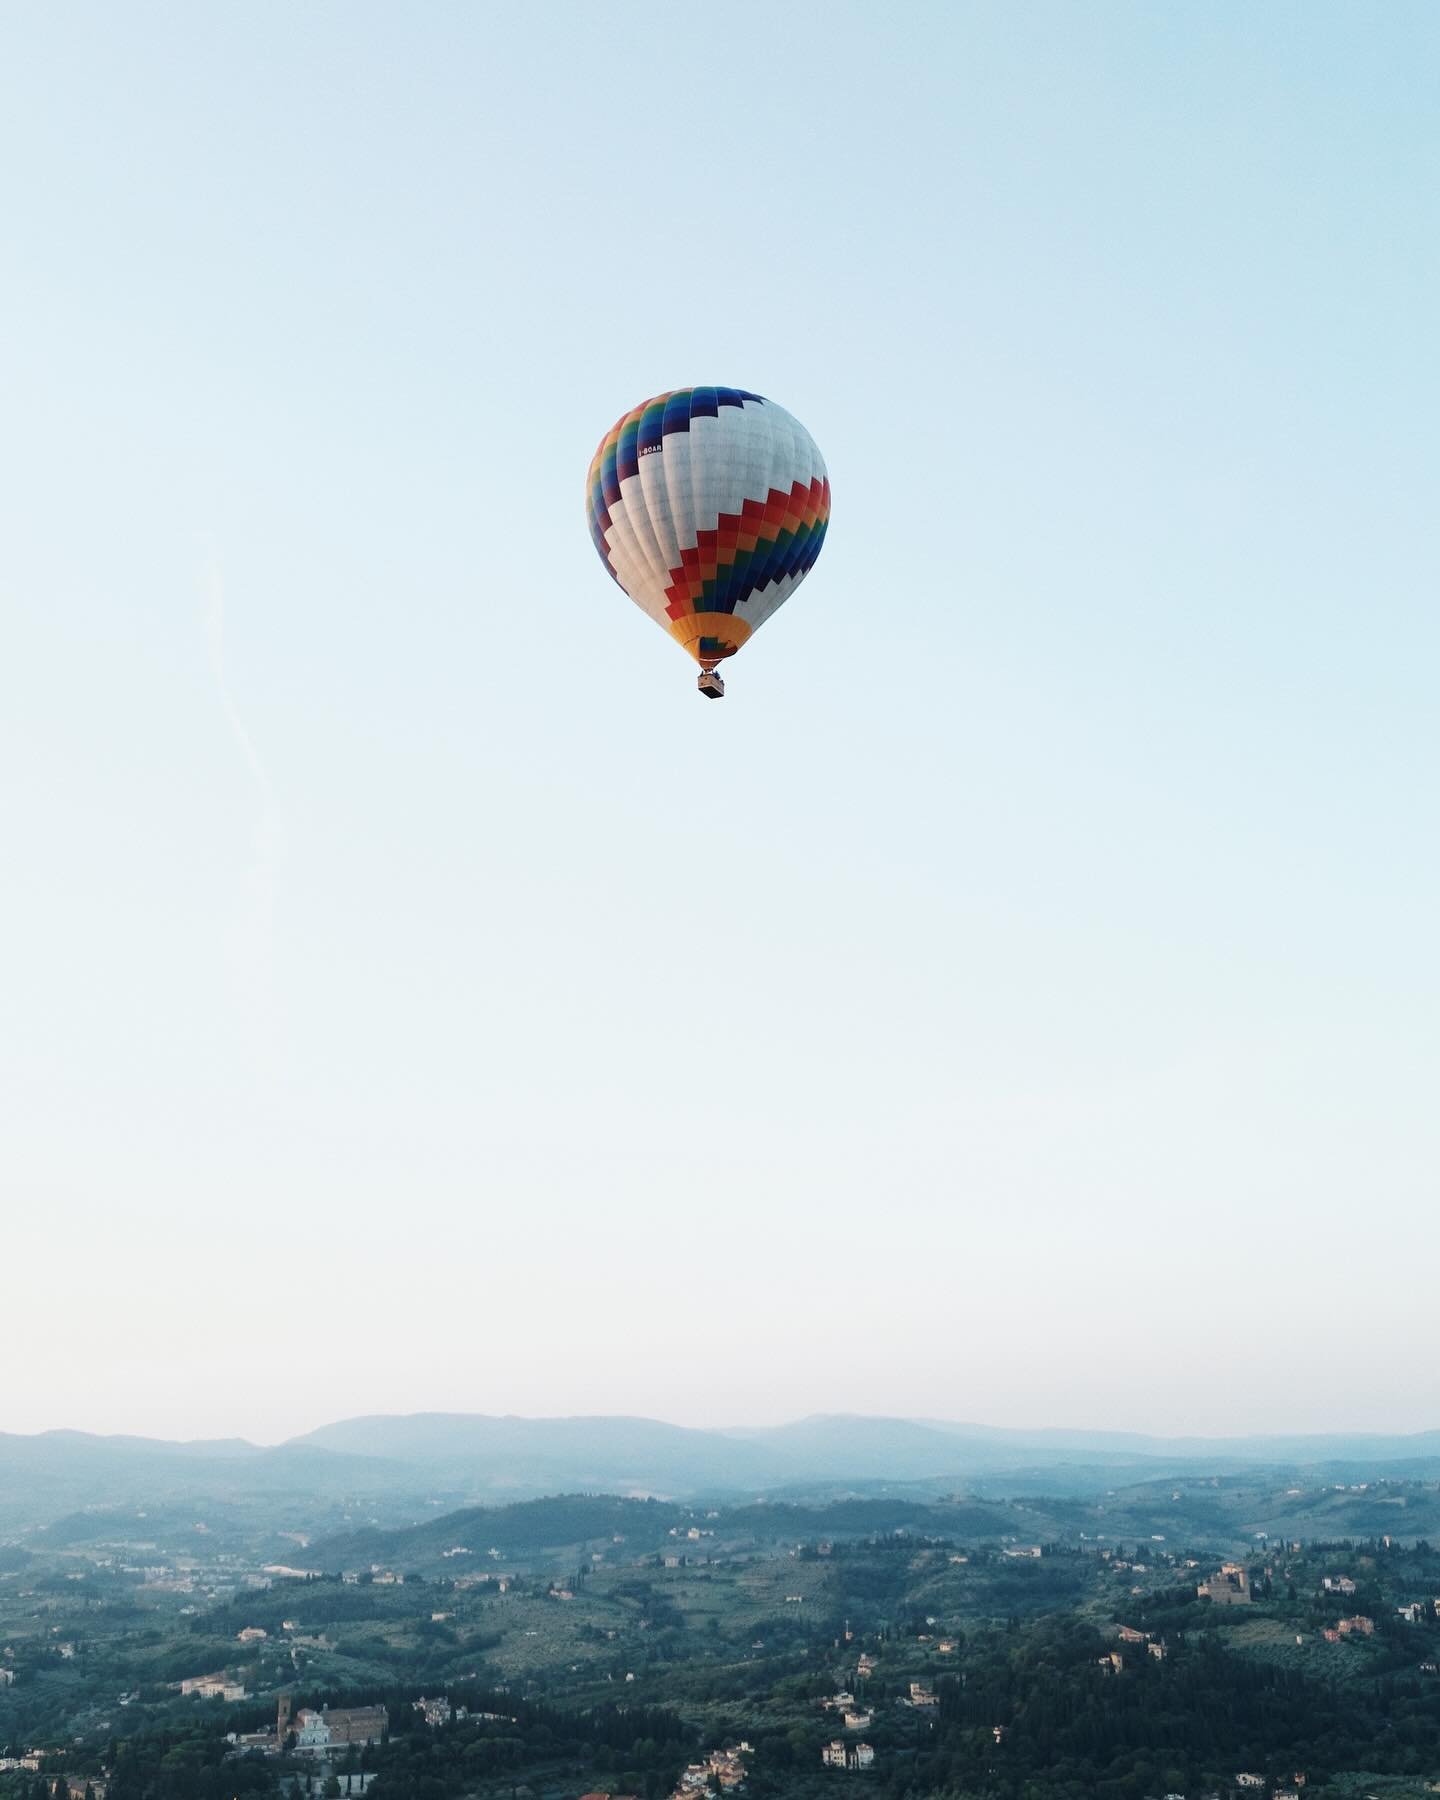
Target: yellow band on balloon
724	628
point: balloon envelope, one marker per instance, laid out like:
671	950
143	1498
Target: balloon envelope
709	506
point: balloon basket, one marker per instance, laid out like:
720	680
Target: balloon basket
710	685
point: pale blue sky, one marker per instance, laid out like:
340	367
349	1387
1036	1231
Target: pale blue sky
1018	1001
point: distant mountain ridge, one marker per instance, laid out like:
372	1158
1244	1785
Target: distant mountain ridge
1259	1447
834	1445
616	1448
412	1460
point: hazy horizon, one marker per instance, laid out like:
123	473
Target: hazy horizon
1157	1433
1019	1000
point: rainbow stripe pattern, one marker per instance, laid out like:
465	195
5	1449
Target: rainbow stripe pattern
709	506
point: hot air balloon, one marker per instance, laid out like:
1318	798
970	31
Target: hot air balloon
708	505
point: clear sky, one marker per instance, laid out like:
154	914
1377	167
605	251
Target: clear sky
1019	1001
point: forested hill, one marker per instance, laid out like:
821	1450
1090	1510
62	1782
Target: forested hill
542	1529
1223	1515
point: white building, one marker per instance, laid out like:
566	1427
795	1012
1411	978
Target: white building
312	1732
839	1755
